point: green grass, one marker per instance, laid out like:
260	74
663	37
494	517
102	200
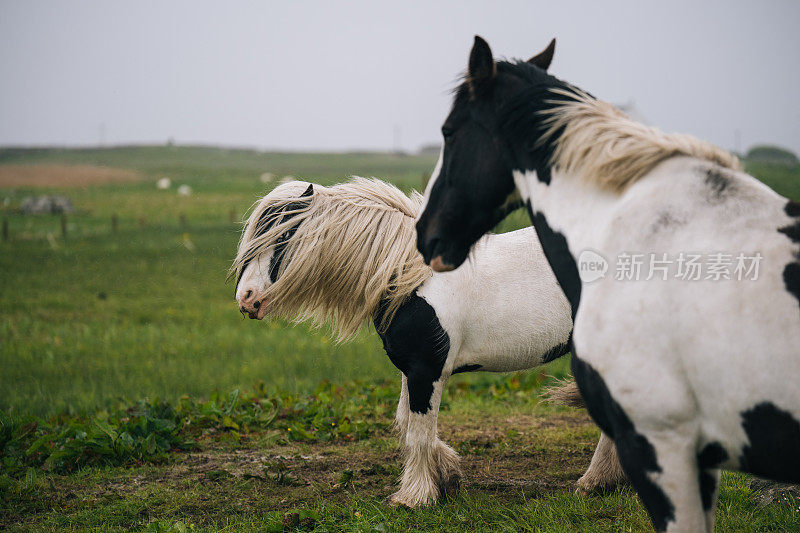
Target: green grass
146	311
520	459
91	324
138	314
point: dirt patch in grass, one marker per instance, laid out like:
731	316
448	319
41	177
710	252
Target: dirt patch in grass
52	175
522	457
519	469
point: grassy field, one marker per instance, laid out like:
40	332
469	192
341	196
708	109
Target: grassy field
146	311
93	322
520	460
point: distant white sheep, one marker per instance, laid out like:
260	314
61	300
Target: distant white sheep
163	183
184	190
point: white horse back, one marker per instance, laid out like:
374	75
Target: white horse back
746	350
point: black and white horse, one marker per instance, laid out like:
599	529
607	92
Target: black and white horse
346	254
693	368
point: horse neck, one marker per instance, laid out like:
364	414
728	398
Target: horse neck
570	205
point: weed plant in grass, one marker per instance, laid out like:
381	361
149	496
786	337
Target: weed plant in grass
520	459
147	430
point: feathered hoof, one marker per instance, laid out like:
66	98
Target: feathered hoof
449	471
401	499
590	484
451	486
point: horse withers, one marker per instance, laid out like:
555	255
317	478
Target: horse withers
686	347
346	255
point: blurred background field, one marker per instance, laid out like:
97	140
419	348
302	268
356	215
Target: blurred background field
126	297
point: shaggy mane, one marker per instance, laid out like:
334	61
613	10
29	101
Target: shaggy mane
595	140
353	254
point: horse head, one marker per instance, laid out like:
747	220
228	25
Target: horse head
472	188
259	259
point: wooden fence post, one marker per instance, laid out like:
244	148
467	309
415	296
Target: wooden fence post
183	220
142	222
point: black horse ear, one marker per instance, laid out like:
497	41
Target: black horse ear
482	69
309	191
545	57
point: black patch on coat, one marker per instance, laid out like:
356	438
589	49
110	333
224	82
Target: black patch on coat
637	456
666	220
418	346
791	278
791	273
708	487
774	448
792	231
555	248
710	457
544	175
467	368
557	351
718	182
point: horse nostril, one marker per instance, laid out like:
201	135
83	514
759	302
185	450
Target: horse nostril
257	305
248	294
430	249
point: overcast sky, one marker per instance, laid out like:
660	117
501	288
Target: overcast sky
358	75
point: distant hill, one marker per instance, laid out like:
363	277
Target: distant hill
772	154
430	149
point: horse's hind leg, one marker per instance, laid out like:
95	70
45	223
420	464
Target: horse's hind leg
709	491
663	468
431	466
604	472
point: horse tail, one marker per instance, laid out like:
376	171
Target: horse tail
564	393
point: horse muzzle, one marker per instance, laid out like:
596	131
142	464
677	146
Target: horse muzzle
438	265
256	310
433	252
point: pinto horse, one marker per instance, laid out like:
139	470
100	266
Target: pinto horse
687	375
346	254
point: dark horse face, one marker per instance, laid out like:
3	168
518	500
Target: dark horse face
474	187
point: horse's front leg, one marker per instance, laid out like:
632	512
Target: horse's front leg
401	416
431	468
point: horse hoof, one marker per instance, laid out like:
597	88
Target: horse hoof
587	487
400	500
393	500
451	487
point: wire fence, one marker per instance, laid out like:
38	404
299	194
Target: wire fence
67	225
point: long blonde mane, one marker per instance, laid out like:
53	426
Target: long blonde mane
597	141
354	250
